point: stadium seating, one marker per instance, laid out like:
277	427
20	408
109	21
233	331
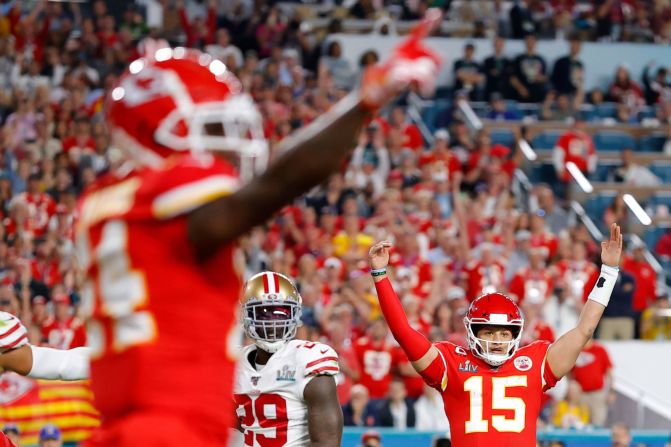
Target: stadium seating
603	170
662	170
596	205
502	136
613	141
546	140
652	143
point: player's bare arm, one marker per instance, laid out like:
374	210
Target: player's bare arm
563	354
310	155
423	356
325	419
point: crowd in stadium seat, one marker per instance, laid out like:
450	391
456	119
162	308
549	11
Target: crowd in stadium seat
447	204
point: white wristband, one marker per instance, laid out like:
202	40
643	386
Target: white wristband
604	285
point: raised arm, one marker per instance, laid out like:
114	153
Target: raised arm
424	357
563	353
310	155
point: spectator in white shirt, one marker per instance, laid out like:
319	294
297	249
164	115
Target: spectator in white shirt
223	48
429	411
634	174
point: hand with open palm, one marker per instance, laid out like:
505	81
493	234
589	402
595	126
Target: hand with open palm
611	249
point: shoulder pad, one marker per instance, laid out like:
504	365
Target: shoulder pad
13	333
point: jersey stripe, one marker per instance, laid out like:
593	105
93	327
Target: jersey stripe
323	359
190	196
11	330
324	369
15	342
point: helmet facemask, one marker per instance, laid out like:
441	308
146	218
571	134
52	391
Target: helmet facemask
482	348
271	322
232	127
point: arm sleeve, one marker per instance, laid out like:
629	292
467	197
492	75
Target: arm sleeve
412	342
56	364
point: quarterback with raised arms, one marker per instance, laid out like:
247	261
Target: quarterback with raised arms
492	389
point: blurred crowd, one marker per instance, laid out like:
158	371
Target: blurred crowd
447	205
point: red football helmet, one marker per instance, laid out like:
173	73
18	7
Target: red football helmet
182	100
494	309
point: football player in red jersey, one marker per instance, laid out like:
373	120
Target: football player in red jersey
156	236
492	390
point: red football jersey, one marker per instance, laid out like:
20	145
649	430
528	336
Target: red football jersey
160	318
531	283
579	277
489	406
591	367
376	360
66	335
483	279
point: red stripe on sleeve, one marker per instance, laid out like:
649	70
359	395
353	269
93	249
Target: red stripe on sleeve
323	359
324	368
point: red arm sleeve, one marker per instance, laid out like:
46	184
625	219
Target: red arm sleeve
414	344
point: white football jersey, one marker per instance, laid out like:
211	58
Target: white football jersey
271	408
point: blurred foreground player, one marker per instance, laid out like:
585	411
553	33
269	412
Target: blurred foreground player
492	390
285	388
156	236
5	441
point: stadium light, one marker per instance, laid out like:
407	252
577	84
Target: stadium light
579	177
637	209
469	114
527	150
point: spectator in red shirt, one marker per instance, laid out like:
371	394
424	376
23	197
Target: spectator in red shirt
81	143
535	328
646	281
663	246
350	369
626	91
575	145
63	330
593	372
199	32
534	281
375	354
412	137
579	274
45	266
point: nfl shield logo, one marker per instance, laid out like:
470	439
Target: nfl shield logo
255	380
